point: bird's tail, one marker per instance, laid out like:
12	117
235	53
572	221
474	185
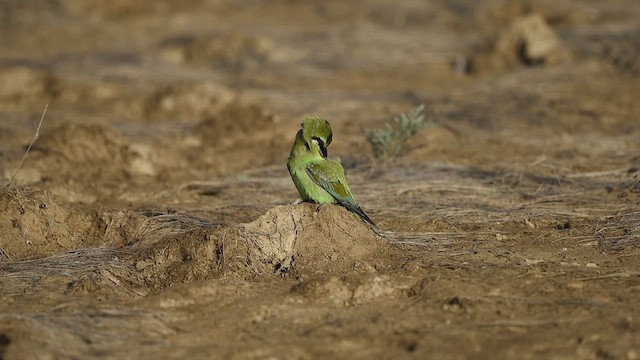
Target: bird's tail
358	210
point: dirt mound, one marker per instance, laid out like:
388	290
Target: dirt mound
91	163
83	163
322	243
33	224
314	239
235	121
303	239
78	144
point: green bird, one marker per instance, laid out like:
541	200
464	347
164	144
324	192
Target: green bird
318	178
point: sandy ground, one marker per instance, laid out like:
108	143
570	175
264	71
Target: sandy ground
153	216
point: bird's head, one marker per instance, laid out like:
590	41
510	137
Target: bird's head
317	134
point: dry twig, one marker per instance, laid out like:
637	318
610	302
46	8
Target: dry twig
35	137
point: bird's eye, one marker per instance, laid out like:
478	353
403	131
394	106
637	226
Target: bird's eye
321	145
318	141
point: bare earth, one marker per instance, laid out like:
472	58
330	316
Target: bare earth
153	216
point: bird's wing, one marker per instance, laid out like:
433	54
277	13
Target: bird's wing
329	174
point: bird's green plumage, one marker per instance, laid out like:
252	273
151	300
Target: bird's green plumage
317	178
318	128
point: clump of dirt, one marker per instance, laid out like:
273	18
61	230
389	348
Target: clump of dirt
304	239
353	290
236	121
529	41
247	134
20	83
33	224
168	255
187	102
227	50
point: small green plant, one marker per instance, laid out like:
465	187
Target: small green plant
387	143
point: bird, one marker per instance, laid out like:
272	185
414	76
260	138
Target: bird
318	178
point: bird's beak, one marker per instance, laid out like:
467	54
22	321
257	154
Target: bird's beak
323	149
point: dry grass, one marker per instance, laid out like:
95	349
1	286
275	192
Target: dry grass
621	231
461	205
160	225
438	239
35	137
77	331
104	266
